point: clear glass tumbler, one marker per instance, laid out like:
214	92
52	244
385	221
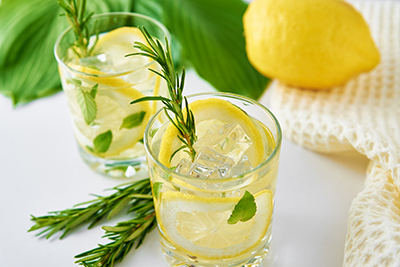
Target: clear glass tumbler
237	160
100	84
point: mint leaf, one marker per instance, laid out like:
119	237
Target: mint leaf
102	142
74	81
90	149
156	189
87	105
93	92
133	120
211	35
244	210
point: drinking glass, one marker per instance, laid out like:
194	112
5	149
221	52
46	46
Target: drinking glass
193	209
100	86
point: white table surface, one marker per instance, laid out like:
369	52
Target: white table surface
41	171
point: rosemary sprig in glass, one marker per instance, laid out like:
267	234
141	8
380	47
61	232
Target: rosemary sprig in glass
124	235
75	12
185	124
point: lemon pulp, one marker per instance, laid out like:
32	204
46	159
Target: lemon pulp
199	225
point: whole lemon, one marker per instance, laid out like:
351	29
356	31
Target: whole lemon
308	43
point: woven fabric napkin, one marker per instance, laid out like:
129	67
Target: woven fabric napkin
363	114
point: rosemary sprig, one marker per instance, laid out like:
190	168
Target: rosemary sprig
124	236
132	194
176	103
75	12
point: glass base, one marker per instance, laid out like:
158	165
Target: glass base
122	168
176	259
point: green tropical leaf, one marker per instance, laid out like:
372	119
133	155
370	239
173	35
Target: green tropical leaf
211	35
28	32
155	10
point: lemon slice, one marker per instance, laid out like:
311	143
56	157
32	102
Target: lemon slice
113	47
106	81
207	110
199	225
119	42
113	106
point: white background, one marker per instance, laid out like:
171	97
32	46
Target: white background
41	171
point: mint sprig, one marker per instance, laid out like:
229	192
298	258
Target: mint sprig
244	210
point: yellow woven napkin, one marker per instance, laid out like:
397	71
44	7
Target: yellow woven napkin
363	114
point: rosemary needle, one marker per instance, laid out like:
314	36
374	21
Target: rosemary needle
176	103
123	237
65	221
75	13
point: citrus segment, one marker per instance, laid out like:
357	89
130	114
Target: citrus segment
199	225
218	111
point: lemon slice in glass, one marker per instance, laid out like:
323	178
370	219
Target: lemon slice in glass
216	111
108	58
118	43
115	45
199	225
113	107
98	77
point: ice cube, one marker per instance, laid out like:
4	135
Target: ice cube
202	171
229	140
221	152
241	167
95	62
210	164
234	144
183	166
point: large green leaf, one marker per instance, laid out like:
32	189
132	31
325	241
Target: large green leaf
211	35
28	31
26	60
154	9
209	31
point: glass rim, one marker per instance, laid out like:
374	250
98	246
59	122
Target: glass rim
107	75
220	180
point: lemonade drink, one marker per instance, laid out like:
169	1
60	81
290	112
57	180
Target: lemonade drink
100	86
236	161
